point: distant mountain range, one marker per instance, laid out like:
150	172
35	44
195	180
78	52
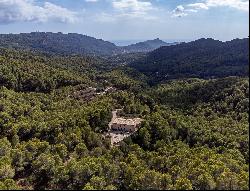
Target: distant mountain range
203	58
73	43
159	60
147	46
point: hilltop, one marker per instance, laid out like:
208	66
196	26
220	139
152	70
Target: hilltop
147	46
58	43
73	44
203	58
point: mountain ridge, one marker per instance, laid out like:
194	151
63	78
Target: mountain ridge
203	58
73	43
58	43
147	46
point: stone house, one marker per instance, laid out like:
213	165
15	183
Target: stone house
126	125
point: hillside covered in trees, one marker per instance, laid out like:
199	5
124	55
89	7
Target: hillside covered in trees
73	44
57	43
194	134
203	58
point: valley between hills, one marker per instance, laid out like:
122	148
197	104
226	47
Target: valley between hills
58	94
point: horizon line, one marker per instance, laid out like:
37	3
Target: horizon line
123	40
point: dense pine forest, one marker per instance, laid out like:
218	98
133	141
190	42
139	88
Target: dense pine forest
203	58
193	99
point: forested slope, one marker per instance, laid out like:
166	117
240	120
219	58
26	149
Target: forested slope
73	44
194	134
26	72
58	43
203	58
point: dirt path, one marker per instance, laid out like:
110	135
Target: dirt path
114	116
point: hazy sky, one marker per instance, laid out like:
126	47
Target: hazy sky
129	19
